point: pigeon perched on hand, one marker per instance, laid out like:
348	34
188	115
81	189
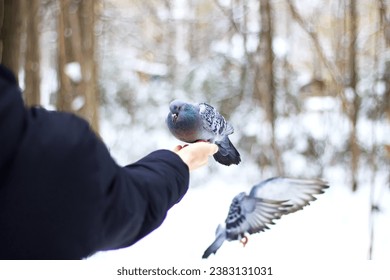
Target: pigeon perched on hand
201	122
267	201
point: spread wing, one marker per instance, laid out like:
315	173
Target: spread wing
250	214
296	192
267	201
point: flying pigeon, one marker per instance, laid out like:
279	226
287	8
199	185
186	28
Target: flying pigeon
201	122
267	201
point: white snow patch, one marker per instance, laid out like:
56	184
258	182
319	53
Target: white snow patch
73	71
323	103
280	47
78	103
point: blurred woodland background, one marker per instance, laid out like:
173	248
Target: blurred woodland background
305	83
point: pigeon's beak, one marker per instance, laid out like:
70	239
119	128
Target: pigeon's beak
174	117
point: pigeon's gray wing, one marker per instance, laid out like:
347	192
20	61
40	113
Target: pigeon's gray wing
297	192
213	121
250	214
216	130
220	238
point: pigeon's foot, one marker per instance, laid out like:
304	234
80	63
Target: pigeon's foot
244	240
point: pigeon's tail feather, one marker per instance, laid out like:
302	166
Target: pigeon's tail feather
227	154
213	248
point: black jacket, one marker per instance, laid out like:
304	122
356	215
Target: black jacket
62	196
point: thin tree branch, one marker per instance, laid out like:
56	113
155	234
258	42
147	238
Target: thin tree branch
335	74
229	15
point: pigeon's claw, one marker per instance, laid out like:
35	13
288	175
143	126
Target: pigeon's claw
244	240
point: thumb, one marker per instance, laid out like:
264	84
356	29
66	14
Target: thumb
213	149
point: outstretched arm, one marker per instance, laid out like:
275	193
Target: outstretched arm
63	196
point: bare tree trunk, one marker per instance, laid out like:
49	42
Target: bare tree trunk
265	85
65	96
88	65
264	89
32	62
245	66
353	79
76	44
351	109
385	24
10	34
382	41
172	37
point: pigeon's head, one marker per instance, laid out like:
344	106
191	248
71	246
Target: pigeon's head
184	121
176	108
182	113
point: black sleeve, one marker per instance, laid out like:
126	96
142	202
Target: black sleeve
12	115
143	192
62	196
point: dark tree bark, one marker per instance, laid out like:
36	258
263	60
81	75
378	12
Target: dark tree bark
32	62
10	34
76	44
264	89
353	79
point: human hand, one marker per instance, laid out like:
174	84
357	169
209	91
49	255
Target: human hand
197	154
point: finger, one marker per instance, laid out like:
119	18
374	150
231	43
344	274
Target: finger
207	147
214	149
210	148
177	148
